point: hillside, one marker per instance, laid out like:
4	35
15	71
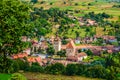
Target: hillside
98	6
38	76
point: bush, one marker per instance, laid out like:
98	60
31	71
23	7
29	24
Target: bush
23	65
15	66
56	68
76	4
71	69
96	71
36	68
17	76
81	69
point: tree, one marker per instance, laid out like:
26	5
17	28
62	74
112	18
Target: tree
36	68
57	68
50	50
61	53
34	1
14	19
96	71
89	52
81	69
71	69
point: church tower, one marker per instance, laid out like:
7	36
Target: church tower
57	44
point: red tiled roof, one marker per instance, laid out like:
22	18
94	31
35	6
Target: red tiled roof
72	58
34	59
63	46
20	55
82	54
70	45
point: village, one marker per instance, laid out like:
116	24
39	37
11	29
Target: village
65	53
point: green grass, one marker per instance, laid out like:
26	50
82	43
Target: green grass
39	76
97	7
90	59
5	76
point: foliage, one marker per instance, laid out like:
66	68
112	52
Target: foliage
56	68
61	53
14	23
5	76
50	50
3	67
81	69
34	1
36	68
89	52
71	69
116	6
17	76
96	71
97	17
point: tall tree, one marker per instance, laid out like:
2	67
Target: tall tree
14	19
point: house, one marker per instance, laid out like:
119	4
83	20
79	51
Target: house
35	45
19	55
81	56
42	39
78	57
70	49
43	45
77	40
91	22
28	51
72	58
35	59
25	38
43	56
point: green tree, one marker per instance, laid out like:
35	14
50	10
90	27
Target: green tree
81	69
57	68
71	69
50	50
14	19
36	68
34	1
96	71
61	53
89	52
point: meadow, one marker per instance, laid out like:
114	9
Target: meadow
84	6
39	76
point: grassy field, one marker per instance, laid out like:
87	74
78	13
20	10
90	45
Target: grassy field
38	76
5	76
82	5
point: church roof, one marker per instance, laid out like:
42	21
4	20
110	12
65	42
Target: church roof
70	45
57	38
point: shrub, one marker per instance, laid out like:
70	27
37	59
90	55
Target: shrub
17	76
36	68
56	68
71	69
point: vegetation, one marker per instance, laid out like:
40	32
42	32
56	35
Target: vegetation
40	76
5	76
12	26
17	76
18	19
